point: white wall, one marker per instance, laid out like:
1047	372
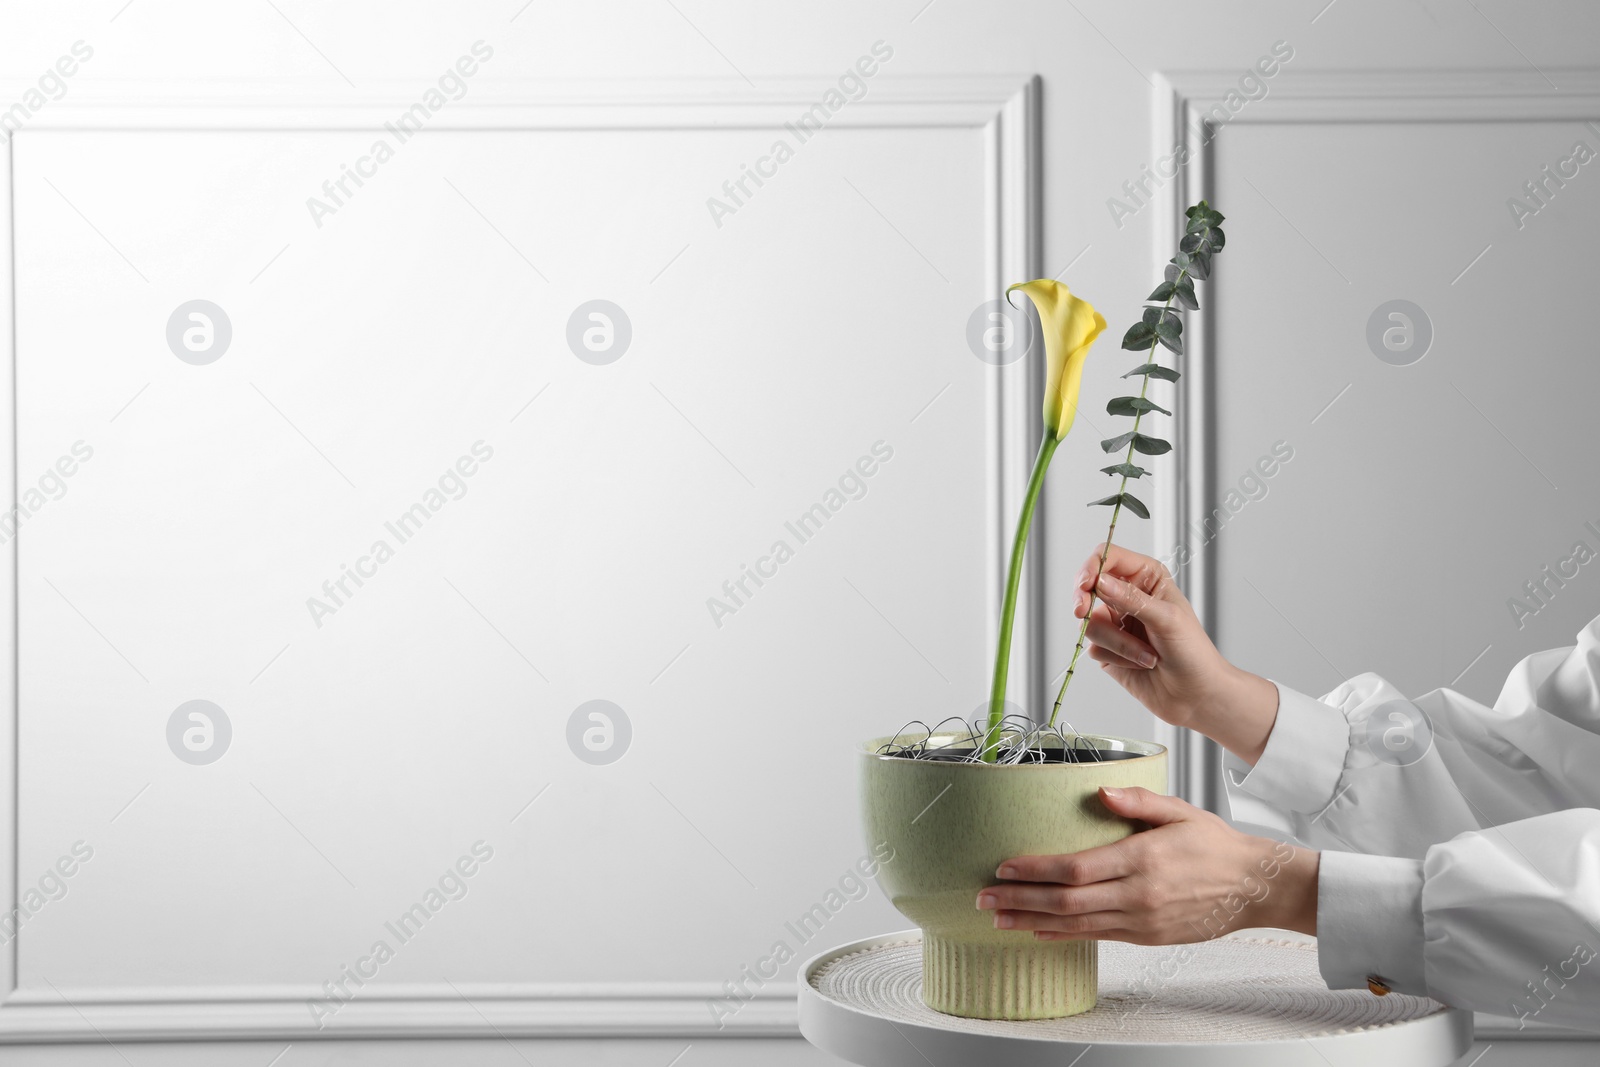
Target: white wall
772	352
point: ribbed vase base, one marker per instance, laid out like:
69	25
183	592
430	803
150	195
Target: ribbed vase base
1027	980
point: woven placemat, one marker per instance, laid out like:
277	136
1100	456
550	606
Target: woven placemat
1233	989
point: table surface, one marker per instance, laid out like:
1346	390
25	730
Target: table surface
1231	1002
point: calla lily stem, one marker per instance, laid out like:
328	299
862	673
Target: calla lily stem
1008	610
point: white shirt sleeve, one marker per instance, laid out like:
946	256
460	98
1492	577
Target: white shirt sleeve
1461	842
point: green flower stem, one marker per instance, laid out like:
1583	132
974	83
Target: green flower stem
1008	611
1116	513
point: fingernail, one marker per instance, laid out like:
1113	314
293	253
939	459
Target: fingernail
987	901
1111	585
1146	660
1114	794
1004	922
1006	871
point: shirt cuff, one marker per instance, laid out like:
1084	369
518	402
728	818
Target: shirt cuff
1369	921
1300	768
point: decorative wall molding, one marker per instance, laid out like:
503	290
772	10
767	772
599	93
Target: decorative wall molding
243	1015
1185	121
1182	102
1003	111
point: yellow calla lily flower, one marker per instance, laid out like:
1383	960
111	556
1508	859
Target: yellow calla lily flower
1070	327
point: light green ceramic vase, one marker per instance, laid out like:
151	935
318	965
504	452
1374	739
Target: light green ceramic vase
951	824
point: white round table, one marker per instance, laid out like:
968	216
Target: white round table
1233	1002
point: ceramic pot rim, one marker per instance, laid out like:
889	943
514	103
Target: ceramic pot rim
945	738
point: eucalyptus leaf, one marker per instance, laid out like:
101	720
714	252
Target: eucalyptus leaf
1133	405
1163	291
1118	442
1170	333
1154	370
1140	336
1127	470
1150	446
1127	500
1183	293
1203	216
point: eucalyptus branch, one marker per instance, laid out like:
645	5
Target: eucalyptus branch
1159	326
